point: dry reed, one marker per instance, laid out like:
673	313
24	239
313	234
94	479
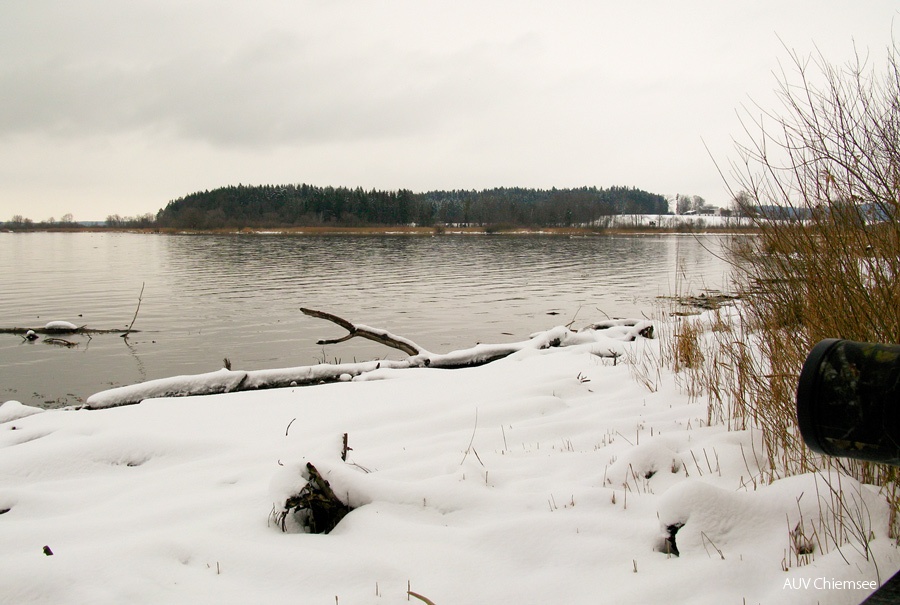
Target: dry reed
821	180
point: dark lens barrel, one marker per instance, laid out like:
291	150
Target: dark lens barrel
848	402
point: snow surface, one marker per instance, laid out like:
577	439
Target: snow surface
549	476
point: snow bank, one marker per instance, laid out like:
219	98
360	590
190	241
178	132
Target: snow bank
550	476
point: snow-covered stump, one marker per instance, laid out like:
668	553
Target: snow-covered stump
315	508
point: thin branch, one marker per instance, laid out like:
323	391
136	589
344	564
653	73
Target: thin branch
140	298
379	336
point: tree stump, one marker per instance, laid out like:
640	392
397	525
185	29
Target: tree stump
316	507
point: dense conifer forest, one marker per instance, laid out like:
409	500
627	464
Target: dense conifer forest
307	205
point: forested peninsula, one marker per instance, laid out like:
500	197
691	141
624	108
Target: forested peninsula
307	205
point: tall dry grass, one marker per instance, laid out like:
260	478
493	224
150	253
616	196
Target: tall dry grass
821	178
830	268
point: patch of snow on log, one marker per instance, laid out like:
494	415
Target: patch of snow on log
221	381
60	326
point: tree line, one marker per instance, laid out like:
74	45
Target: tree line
19	222
235	207
67	222
308	205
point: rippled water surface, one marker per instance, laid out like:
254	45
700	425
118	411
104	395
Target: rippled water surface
210	297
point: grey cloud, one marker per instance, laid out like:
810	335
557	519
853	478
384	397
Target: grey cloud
281	88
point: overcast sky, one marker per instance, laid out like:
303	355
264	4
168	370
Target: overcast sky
118	107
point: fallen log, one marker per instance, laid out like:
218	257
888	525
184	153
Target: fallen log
228	381
77	330
645	329
65	327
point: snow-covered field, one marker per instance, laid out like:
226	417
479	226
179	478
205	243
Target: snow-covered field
550	476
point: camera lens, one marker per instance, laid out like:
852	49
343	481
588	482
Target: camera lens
848	402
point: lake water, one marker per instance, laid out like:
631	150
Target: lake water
208	297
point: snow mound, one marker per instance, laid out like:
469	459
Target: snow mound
13	410
643	462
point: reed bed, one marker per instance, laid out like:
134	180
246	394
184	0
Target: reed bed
821	179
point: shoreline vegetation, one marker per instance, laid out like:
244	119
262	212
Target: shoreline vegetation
725	228
304	207
830	154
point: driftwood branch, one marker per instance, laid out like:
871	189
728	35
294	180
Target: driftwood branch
61	328
79	330
131	325
353	330
62	342
227	380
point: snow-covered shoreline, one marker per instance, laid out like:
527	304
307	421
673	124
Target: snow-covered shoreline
550	476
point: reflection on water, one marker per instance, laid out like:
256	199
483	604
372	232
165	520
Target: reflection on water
210	297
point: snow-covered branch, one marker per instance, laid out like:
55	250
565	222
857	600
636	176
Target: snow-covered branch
380	336
227	381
